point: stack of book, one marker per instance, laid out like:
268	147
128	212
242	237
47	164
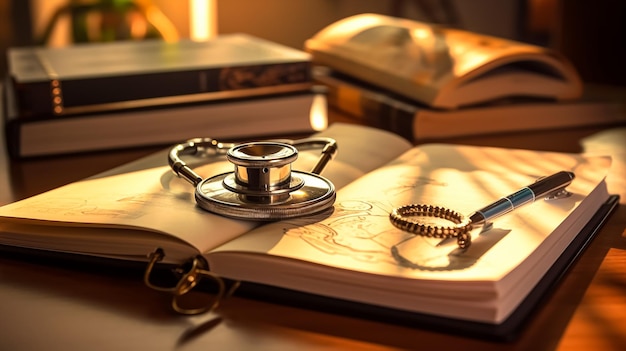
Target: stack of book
429	82
102	96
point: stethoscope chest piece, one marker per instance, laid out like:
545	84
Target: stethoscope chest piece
263	186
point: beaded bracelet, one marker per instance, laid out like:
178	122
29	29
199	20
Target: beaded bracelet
401	218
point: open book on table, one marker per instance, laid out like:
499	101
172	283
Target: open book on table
353	254
441	67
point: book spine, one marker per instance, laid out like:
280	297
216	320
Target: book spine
57	97
9	111
369	106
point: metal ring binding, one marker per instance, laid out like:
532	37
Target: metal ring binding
190	276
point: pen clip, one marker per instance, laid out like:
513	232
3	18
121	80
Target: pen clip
558	194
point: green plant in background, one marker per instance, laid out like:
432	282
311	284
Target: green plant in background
110	20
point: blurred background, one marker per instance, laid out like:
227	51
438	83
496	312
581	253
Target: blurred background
591	34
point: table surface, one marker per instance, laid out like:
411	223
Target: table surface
51	307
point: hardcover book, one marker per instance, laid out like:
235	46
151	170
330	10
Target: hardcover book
97	77
269	115
352	253
381	108
441	67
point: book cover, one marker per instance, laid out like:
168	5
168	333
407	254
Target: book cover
101	76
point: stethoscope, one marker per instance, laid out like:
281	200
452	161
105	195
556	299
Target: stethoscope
262	185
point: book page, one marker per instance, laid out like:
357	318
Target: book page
386	265
148	197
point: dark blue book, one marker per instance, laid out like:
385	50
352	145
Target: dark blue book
97	77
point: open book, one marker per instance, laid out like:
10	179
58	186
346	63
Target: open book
352	253
441	67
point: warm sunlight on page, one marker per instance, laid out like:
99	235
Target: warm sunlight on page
358	236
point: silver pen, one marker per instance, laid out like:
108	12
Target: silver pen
542	187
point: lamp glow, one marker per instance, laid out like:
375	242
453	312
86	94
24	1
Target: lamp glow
202	19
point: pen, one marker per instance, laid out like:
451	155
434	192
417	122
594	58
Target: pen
528	194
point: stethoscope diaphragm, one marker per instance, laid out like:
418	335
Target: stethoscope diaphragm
262	185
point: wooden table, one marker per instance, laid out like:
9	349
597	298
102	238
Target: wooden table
49	307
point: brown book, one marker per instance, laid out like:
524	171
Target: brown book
381	108
252	117
98	77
